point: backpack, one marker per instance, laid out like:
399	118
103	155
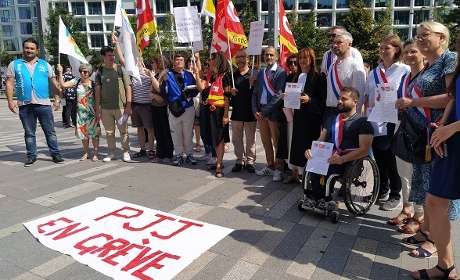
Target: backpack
119	71
78	82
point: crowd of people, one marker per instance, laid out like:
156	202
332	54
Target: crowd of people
174	99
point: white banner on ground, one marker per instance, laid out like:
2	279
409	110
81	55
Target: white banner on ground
126	241
188	24
256	36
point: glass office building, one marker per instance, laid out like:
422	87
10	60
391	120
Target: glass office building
19	17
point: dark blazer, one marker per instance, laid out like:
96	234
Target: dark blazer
273	108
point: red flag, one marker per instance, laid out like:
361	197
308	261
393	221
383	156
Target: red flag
228	32
145	23
287	41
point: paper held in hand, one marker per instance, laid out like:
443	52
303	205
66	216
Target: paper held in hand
320	152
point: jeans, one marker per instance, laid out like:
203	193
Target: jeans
28	114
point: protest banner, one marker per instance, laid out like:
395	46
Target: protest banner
126	241
188	24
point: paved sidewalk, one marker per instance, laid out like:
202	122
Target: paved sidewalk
272	239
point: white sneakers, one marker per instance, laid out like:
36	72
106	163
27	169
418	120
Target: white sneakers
277	176
110	157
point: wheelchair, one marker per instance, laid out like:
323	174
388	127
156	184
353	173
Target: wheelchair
360	185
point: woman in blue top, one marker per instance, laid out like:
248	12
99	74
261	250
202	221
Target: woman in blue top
444	183
427	99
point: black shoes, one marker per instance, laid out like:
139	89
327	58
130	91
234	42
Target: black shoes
237	167
250	168
30	161
57	159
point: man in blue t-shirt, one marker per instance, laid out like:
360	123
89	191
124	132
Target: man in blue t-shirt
34	79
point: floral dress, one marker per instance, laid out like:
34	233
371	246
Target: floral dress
88	126
431	82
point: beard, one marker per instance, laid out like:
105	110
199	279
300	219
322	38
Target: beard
344	109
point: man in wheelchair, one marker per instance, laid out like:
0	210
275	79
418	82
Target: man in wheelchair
351	135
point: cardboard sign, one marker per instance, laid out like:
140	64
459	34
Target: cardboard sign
256	36
126	241
188	24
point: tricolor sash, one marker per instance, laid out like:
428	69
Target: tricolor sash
335	81
337	135
329	60
423	112
379	78
404	86
269	88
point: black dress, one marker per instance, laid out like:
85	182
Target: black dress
215	131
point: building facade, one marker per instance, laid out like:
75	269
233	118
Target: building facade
19	17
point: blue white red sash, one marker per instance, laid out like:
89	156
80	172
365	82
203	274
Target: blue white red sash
335	81
337	134
269	88
379	78
403	90
423	112
328	60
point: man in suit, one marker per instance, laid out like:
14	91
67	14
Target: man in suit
266	107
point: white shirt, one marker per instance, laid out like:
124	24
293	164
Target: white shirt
353	52
393	75
351	74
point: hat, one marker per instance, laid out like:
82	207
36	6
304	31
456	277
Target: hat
105	49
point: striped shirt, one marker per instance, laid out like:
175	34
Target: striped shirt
141	91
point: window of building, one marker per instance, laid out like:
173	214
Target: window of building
324	20
78	8
289	4
110	7
95	27
442	3
26	28
160	20
380	3
324	4
198	4
162	6
97	41
109	26
425	3
94	8
343	4
265	19
180	3
402	3
403	33
83	25
401	17
11	45
7	16
7	31
421	15
264	5
130	11
239	4
34	11
339	18
6	3
23	1
24	13
306	4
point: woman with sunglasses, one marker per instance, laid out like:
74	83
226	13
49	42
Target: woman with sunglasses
88	126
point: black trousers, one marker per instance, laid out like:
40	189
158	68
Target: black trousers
162	131
70	112
318	191
386	162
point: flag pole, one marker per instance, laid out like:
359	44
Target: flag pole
159	46
59	55
252	70
230	60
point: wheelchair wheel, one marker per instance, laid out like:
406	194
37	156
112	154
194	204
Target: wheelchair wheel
361	181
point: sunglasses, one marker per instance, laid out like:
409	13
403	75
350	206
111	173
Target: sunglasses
292	62
83	71
330	35
154	62
206	65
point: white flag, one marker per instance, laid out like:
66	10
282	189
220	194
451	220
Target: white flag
67	44
128	46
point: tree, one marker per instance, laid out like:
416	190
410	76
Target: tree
450	19
367	32
5	56
306	34
51	36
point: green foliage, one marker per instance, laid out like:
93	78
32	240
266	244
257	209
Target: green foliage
450	19
306	34
5	56
247	15
51	36
367	32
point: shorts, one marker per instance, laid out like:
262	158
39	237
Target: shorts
141	115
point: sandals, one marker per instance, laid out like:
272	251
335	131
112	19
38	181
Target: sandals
155	160
423	253
214	167
410	228
95	158
141	153
411	240
152	154
424	274
292	180
396	221
219	174
84	157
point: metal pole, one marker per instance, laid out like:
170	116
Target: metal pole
271	22
40	29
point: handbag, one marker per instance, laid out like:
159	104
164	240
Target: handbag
408	145
176	108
